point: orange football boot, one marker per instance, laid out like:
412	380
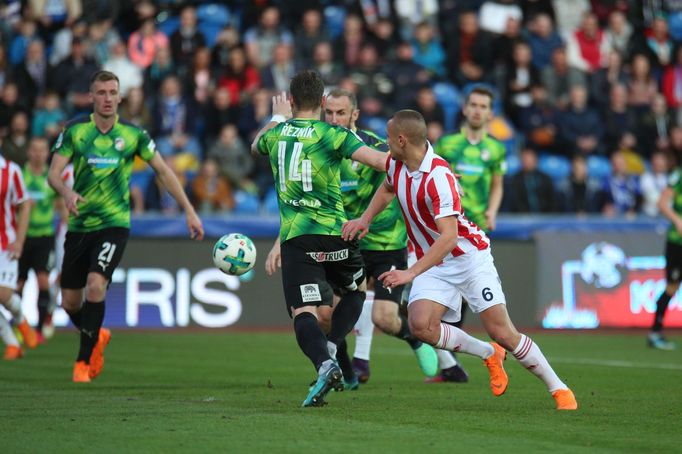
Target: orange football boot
97	356
81	372
498	376
565	400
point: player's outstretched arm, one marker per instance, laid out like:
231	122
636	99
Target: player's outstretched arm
369	156
274	260
281	111
23	213
54	177
360	226
171	183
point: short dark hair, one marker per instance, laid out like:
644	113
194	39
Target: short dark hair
481	90
104	76
306	90
342	92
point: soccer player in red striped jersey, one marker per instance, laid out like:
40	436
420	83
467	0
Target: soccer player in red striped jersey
453	261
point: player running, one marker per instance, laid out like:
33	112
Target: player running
102	148
305	155
453	261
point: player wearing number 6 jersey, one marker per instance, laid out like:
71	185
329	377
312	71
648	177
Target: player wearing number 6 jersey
453	261
102	148
305	155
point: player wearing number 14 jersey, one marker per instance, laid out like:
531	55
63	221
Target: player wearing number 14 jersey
102	149
305	155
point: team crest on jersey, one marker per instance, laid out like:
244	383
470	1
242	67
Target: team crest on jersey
119	144
485	154
335	256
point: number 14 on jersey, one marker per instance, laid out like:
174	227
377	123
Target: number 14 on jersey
299	169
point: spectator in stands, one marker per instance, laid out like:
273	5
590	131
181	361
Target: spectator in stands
659	46
198	81
654	128
175	121
618	33
52	14
406	76
240	78
373	82
671	85
144	43
347	46
19	45
210	190
427	50
604	9
157	72
71	78
129	73
503	47
425	103
434	131
587	47
156	196
186	40
5	68
494	15
323	62
31	74
530	190
135	110
622	194
653	182
675	144
308	36
569	14
260	41
470	57
538	122
642	86
101	38
9	105
411	13
543	40
234	160
520	77
61	44
604	79
254	114
618	118
579	193
48	120
384	39
220	112
558	78
278	73
227	39
96	11
14	146
579	125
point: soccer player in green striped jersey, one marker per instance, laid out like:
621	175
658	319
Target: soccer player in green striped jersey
40	236
102	148
305	155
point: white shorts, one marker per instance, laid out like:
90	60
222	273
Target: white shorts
9	270
475	279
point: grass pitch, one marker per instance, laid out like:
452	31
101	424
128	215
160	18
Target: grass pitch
179	391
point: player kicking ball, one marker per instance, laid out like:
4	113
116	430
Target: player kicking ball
453	261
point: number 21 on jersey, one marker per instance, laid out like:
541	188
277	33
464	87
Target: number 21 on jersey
304	174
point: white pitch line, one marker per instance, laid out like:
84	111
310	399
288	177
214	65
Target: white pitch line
616	363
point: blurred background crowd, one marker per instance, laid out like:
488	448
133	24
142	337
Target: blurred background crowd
588	93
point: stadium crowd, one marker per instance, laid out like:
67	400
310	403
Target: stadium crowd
589	93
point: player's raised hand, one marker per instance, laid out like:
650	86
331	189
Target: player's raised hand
195	227
281	105
396	278
72	199
354	228
274	259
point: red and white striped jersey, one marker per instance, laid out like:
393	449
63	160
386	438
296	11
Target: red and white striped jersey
431	193
12	193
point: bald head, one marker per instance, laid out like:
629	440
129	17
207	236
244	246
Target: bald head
411	125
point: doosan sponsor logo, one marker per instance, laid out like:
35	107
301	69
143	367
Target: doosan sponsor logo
334	256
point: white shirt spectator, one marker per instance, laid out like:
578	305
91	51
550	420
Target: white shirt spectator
494	16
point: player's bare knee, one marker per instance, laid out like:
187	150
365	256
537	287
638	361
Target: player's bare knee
385	316
43	281
72	300
422	328
96	287
672	288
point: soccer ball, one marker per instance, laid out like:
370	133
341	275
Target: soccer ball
234	254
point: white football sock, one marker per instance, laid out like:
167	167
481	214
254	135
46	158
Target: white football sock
331	348
14	306
364	329
6	332
530	356
456	340
446	359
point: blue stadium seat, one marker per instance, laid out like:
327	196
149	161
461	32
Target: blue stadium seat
245	203
169	26
334	17
513	164
213	13
141	179
448	97
598	167
210	32
270	204
557	167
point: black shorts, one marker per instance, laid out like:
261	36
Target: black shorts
673	262
377	263
36	255
314	264
86	252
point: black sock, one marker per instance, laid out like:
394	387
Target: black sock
344	360
43	303
406	335
92	316
346	315
311	339
76	317
661	307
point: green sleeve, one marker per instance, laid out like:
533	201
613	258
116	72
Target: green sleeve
146	147
500	163
347	142
64	144
262	145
